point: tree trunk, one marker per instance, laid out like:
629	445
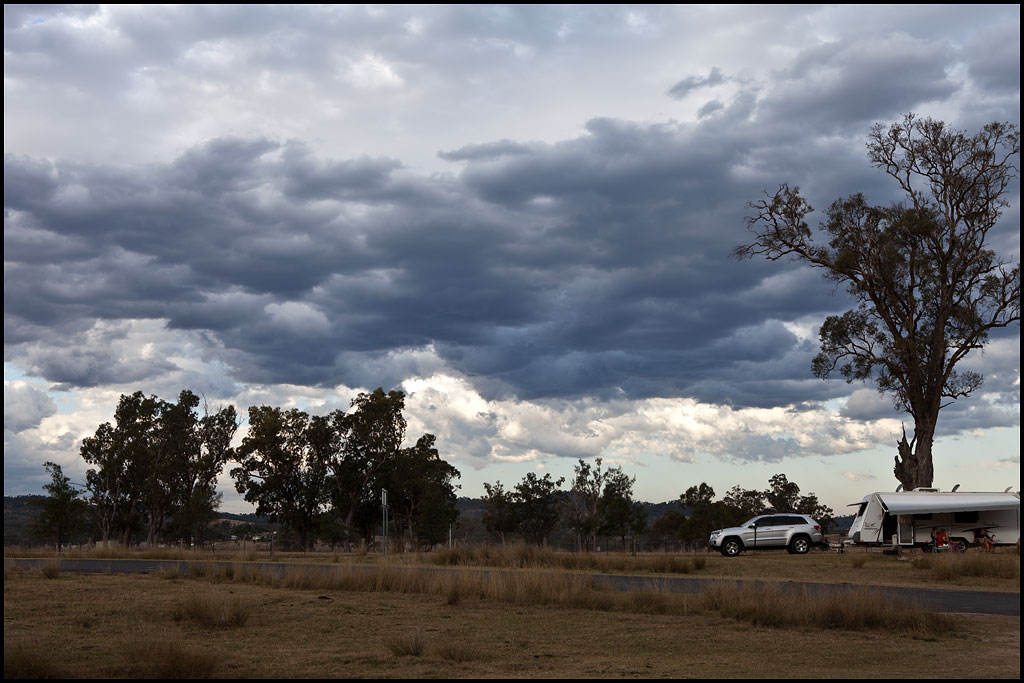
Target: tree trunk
155	523
913	466
105	527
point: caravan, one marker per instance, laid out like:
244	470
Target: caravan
908	519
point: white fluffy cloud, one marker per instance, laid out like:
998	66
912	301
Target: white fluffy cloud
25	406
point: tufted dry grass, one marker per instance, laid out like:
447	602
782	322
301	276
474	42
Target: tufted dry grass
124	626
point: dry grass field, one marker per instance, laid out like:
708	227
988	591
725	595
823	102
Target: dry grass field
542	622
974	570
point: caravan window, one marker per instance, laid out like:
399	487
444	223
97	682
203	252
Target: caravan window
969	517
923	517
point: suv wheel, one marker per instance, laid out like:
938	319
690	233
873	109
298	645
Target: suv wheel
731	547
800	545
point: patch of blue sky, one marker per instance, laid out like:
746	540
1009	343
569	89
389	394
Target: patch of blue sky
13	373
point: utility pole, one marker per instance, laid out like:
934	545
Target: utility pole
384	514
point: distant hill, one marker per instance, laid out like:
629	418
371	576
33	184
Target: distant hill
843	523
249	517
20	513
656	511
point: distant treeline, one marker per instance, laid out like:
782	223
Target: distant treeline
600	504
154	470
23	525
334	479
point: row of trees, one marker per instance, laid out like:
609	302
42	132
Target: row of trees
154	472
597	502
322	476
703	513
62	513
600	502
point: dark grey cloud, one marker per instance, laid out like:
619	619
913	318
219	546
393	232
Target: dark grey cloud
849	82
993	59
270	248
691	83
101	357
220	167
596	265
306	177
868	404
32	181
709	109
489	150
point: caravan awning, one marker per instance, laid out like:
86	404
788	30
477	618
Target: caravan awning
921	502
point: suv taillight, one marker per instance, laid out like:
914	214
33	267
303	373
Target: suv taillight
817	528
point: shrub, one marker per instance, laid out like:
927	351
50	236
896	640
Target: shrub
212	611
169	572
30	661
411	645
459	651
162	658
648	600
956	567
853	610
454	593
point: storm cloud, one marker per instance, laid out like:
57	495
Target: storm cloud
594	266
523	215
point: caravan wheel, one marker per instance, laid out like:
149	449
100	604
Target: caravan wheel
958	545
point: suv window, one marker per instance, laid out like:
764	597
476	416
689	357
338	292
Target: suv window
780	520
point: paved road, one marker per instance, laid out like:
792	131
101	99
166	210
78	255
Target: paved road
970	602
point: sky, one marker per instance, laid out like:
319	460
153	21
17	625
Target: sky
521	216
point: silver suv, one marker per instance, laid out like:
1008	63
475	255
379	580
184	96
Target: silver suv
796	533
